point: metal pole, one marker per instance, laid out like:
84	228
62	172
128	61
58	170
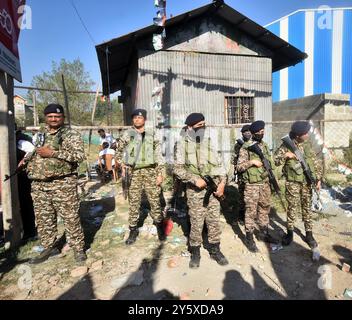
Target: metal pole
35	111
9	191
66	101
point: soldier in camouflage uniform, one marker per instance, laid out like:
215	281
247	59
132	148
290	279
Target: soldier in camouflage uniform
195	158
246	136
257	191
139	151
53	171
298	192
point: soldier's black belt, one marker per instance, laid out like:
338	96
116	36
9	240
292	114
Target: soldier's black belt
149	167
56	178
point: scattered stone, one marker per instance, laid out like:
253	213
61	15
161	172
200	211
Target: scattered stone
80	271
97	265
66	248
62	271
346	267
172	263
54	280
105	242
185	254
185	296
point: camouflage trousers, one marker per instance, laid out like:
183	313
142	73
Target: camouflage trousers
299	198
53	198
144	179
200	215
241	203
257	200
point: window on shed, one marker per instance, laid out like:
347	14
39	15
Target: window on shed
239	110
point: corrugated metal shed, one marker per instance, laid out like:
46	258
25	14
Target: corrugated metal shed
120	51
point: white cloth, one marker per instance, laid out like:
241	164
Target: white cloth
108	138
25	146
107	151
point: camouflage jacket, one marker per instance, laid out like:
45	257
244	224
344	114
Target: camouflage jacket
250	173
68	149
193	160
292	169
140	153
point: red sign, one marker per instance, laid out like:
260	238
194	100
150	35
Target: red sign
9	35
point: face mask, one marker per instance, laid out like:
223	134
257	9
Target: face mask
246	136
258	137
197	134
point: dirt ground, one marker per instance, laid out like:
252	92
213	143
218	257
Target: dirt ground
153	270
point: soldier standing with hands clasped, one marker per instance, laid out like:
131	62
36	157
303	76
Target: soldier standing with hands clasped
53	171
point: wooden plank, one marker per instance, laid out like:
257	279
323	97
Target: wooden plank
9	190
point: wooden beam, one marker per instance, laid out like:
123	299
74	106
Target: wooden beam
9	191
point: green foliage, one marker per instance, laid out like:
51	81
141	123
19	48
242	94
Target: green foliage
76	79
101	113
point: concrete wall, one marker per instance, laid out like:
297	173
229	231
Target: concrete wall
323	109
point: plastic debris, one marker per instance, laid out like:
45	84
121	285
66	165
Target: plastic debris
275	247
118	230
38	249
348	293
168	226
316	254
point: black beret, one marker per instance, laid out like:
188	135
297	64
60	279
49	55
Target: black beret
194	118
54	108
300	128
139	112
246	128
257	126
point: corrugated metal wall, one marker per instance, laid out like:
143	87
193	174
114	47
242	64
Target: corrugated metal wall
198	82
326	36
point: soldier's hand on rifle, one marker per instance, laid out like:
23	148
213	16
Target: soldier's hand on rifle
123	170
21	163
201	184
318	186
45	152
220	191
290	155
159	180
256	163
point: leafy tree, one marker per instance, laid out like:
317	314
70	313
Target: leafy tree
76	79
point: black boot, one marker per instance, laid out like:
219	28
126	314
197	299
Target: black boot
288	238
80	256
216	254
45	255
252	247
265	236
132	236
241	215
161	231
195	257
310	240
